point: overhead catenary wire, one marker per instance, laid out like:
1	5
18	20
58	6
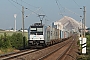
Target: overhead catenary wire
24	6
72	12
39	8
58	7
58	3
16	2
76	3
14	5
33	12
69	10
29	4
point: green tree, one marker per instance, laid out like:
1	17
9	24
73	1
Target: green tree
16	40
4	41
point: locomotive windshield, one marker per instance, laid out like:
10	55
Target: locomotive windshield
36	30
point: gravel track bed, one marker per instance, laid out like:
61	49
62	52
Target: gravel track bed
40	53
72	54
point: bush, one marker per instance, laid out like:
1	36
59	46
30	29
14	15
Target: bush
4	41
14	41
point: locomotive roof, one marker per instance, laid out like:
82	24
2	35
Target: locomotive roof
37	24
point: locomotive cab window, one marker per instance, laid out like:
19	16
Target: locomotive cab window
36	30
39	31
33	29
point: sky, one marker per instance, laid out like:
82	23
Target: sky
52	9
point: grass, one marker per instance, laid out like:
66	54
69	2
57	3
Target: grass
6	50
11	32
9	49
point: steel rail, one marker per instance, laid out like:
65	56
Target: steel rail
53	51
17	54
65	51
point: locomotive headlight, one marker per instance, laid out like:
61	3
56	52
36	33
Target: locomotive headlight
30	41
41	41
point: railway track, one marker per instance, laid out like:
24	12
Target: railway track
16	54
57	54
